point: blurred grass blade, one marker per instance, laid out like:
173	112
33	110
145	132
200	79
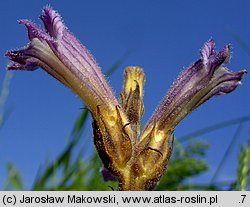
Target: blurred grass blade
14	180
214	127
3	97
197	187
239	39
243	172
77	131
117	64
226	154
64	157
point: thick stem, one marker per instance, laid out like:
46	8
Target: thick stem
132	182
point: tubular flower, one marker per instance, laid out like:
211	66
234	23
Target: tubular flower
205	78
137	162
60	54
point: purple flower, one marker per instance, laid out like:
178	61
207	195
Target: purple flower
137	163
205	78
60	54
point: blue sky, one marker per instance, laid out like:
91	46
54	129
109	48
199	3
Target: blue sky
163	37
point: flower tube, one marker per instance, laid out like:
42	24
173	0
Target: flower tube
61	55
204	79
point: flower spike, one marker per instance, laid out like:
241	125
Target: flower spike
137	162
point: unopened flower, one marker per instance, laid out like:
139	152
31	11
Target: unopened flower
137	162
131	97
